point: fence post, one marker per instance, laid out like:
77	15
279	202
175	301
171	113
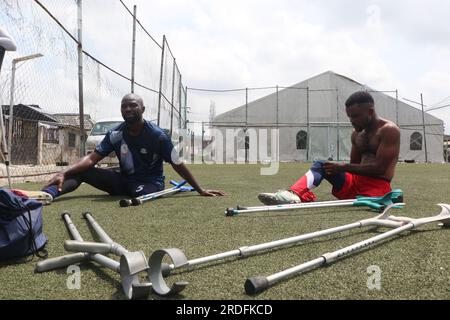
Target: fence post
337	125
307	125
277	118
396	107
173	91
203	141
133	49
80	78
185	107
246	106
158	121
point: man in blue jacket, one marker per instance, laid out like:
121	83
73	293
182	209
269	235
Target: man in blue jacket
141	148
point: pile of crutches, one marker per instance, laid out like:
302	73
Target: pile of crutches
257	284
177	187
130	267
133	264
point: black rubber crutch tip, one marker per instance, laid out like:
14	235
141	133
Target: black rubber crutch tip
85	213
254	285
124	202
64	213
230	212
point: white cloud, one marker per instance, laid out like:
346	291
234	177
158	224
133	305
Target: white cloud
385	44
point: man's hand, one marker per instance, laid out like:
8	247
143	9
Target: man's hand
332	168
57	180
211	193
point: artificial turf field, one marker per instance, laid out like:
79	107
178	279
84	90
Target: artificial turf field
415	265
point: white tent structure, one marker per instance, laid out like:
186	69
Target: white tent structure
312	124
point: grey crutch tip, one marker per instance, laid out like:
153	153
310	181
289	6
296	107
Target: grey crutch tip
254	285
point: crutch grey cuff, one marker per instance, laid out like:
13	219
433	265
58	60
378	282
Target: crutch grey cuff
156	275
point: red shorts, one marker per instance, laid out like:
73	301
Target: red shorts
356	185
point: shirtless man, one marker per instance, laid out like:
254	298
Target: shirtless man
373	157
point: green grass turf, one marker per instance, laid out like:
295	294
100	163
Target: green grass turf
415	265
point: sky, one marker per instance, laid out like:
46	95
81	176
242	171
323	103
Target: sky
218	44
386	45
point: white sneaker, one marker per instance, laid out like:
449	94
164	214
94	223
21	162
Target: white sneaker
280	197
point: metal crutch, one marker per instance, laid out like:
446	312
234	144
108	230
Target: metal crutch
257	284
178	187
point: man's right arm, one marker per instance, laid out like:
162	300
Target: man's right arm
82	165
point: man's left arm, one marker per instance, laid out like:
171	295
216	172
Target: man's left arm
387	152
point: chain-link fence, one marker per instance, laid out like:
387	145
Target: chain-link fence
309	119
47	98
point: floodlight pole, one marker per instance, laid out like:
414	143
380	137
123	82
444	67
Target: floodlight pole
11	104
133	49
6	44
2	127
80	77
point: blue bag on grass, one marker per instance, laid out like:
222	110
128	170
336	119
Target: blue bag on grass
20	227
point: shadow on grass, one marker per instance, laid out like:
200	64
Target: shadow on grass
97	198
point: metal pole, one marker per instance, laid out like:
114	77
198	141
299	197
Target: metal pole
277	119
133	49
307	125
161	80
11	120
337	125
192	146
185	107
203	140
173	95
80	78
2	127
6	44
396	107
246	106
423	126
180	87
